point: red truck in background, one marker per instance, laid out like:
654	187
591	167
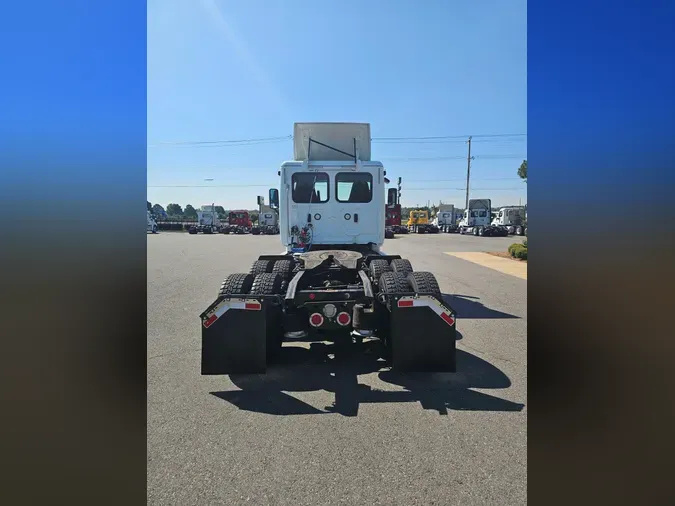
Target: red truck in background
392	214
239	222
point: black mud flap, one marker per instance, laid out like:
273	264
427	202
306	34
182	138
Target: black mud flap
234	335
422	334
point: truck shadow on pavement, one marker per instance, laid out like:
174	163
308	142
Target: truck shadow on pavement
467	306
336	367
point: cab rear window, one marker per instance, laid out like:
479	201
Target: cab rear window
310	187
354	187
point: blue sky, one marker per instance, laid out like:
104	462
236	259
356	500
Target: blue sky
226	70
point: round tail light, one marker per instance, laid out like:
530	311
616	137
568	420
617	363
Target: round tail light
316	320
344	318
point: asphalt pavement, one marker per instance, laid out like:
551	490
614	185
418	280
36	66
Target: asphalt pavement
329	425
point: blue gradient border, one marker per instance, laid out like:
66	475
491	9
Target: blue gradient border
601	126
72	195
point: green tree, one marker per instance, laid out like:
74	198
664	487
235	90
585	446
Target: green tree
157	210
174	210
522	171
190	212
149	206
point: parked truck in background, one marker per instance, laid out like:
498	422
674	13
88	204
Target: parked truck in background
268	221
152	224
392	217
418	222
238	222
445	218
512	218
476	220
207	221
332	281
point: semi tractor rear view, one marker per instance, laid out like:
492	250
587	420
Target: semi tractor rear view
476	220
332	280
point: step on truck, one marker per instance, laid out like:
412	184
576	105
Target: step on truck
476	220
332	281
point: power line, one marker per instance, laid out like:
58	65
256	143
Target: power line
219	143
237	142
464	189
457	157
213	186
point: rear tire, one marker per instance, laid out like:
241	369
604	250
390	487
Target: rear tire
401	265
481	231
271	283
378	267
237	284
261	267
393	282
284	268
424	282
267	283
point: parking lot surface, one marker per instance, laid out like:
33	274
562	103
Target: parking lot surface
330	424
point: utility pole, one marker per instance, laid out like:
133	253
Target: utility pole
468	173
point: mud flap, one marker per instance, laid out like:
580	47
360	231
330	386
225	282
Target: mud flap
422	334
234	335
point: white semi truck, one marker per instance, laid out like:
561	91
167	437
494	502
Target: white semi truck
332	281
268	221
512	218
445	218
152	224
476	220
207	221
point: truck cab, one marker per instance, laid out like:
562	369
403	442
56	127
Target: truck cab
268	221
512	218
152	224
332	193
239	221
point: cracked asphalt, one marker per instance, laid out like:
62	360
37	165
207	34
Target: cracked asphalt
331	424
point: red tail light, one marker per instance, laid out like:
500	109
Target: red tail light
316	320
344	318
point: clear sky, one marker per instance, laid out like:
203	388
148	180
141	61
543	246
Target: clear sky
233	70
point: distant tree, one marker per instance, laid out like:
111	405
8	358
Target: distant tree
174	210
157	210
190	212
254	217
149	206
220	210
522	171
